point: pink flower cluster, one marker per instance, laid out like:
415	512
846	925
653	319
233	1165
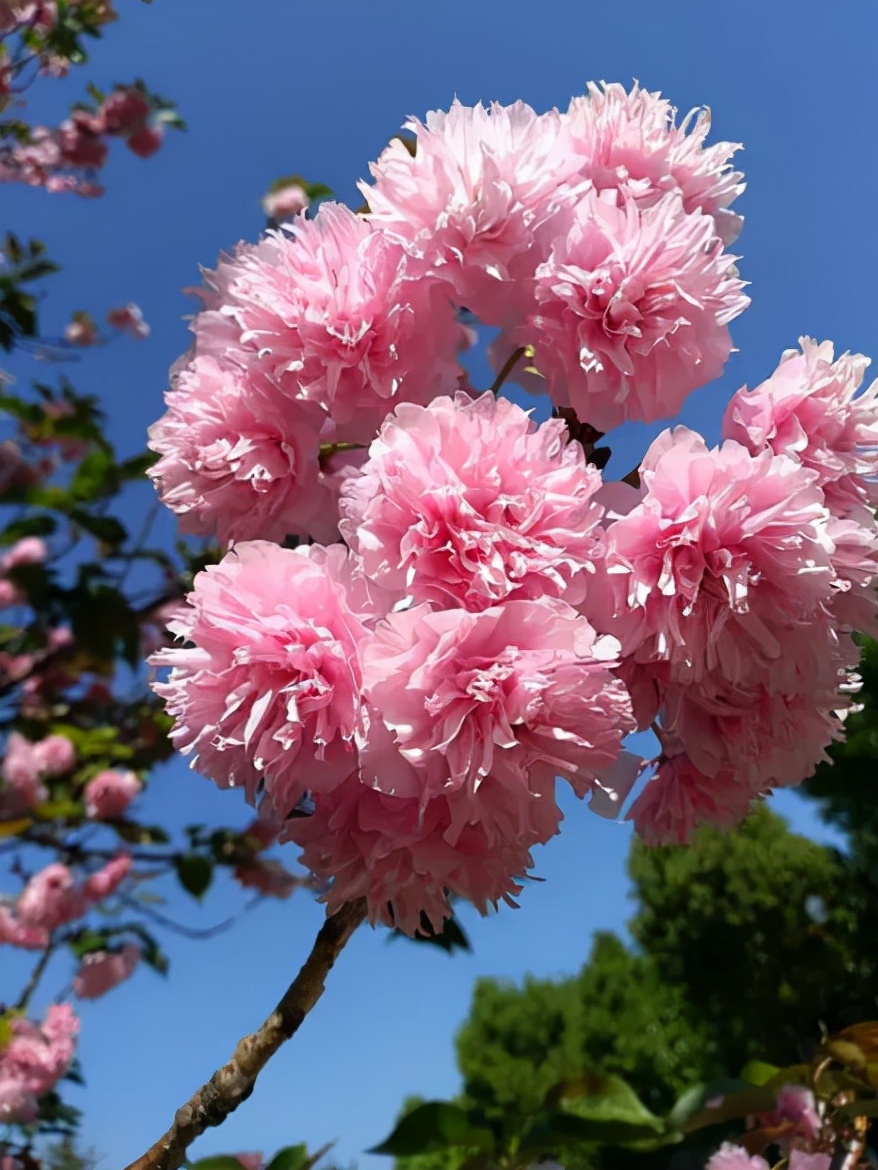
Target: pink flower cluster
34	1060
68	157
738	575
424	703
497	616
53	897
595	237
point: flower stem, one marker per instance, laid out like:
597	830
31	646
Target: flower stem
507	367
233	1083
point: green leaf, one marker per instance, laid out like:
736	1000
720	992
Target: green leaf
556	1127
601	1097
318	191
94	477
58	810
757	1072
720	1101
36	269
137	466
195	873
104	624
28	526
106	528
217	1162
449	939
435	1125
291	1158
694	1100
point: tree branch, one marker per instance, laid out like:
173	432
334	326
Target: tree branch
35	977
233	1083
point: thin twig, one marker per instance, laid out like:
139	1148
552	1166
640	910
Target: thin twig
181	928
35	977
507	368
233	1083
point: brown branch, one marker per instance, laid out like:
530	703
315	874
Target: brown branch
35	977
233	1083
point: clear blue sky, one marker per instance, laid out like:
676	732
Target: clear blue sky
269	87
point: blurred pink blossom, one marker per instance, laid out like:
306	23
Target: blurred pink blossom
270	878
107	880
124	110
33	1060
145	140
129	319
283	203
108	794
81	330
101	971
730	1157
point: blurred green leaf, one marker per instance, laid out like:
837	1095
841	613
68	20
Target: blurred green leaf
291	1158
601	1097
217	1162
106	528
28	526
195	873
449	939
435	1125
95	477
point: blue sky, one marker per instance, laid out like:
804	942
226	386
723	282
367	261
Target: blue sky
270	87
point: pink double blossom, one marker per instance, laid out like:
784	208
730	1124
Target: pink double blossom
724	562
466	202
810	409
470	503
632	309
270	692
239	459
629	142
327	310
404	855
678	798
518	692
